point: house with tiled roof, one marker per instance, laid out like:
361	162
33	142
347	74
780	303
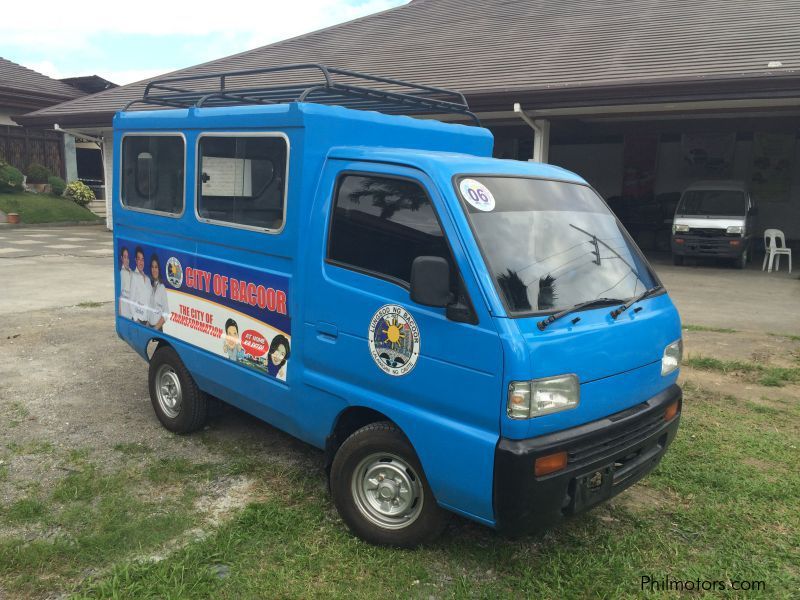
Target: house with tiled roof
23	90
641	97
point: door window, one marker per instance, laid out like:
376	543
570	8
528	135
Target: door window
381	224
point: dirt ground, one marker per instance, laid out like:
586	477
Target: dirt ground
768	350
69	386
68	381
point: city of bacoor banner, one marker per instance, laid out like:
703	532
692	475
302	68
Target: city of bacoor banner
237	312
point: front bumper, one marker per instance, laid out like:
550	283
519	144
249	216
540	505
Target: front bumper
719	247
604	458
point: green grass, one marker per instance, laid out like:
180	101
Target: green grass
794	338
90	304
90	520
17	413
132	449
709	329
722	505
726	509
757	373
26	510
44	208
32	447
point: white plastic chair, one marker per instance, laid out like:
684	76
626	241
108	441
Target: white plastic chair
775	246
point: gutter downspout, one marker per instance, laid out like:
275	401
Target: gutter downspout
541	137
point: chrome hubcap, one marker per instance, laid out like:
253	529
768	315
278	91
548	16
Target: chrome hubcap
387	491
168	391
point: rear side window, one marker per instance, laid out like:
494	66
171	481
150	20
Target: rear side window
242	180
381	225
152	173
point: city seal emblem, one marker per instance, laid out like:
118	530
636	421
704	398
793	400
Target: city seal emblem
174	272
394	340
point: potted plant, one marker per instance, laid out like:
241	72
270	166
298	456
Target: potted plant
37	181
80	193
12	218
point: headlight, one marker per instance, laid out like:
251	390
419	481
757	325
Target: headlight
672	357
528	399
680	228
735	229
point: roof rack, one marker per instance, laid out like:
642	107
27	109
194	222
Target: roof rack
303	83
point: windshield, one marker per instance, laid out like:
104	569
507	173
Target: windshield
712	202
550	245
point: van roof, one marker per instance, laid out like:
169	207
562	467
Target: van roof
451	164
325	125
355	135
720	184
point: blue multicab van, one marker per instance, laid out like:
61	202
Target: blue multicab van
458	333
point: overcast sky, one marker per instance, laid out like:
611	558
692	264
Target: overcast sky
127	42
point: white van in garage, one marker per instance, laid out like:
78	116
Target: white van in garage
714	219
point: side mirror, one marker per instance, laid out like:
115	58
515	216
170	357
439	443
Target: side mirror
430	281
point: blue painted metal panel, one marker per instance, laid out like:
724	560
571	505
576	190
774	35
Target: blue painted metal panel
452	405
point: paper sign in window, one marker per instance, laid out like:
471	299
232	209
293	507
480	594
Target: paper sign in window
227	176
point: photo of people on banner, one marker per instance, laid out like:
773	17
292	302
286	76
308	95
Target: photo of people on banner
142	297
273	362
197	306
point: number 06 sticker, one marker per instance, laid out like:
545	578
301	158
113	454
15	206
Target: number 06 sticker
477	194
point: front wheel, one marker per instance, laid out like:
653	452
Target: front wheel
380	490
741	262
180	405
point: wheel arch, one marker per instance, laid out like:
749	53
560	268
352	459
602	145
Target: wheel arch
347	422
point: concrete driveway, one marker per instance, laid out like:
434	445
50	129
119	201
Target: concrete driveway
55	267
721	296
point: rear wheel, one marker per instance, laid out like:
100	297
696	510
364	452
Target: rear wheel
677	260
380	490
179	404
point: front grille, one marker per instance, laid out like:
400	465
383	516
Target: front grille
626	437
708	232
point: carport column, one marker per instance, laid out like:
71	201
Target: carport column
541	141
107	152
70	159
541	135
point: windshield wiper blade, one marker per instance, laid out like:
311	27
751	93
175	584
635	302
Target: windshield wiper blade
618	311
542	325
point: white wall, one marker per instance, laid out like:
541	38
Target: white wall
599	164
5	115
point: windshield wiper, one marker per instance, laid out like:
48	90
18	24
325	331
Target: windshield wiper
618	311
542	325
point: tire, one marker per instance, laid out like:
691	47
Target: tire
677	260
409	516
179	404
741	262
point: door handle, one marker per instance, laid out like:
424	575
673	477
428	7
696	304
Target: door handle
327	331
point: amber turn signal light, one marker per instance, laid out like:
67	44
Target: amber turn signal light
551	463
671	411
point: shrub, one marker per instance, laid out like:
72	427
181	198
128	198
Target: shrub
80	193
57	185
10	178
38	173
